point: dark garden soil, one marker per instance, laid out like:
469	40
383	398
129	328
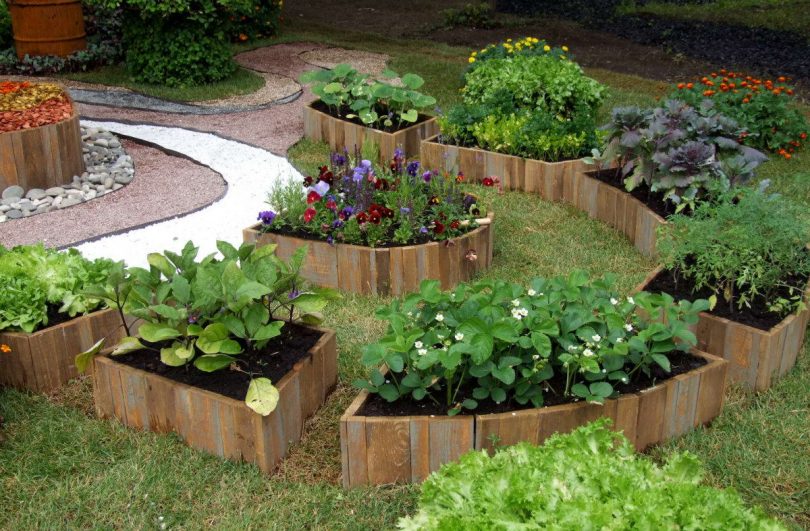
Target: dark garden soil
273	362
680	362
653	200
757	316
440	139
55	317
318	105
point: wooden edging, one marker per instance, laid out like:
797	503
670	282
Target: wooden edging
42	157
342	134
757	358
381	450
212	422
45	360
386	270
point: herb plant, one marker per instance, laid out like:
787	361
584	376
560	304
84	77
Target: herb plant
684	152
350	94
765	109
500	341
354	201
591	478
206	312
747	246
35	278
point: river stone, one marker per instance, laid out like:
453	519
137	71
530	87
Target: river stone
55	191
13	192
14	214
70	201
35	194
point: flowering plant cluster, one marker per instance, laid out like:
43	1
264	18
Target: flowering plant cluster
353	201
527	46
498	341
352	95
533	104
765	109
682	151
204	313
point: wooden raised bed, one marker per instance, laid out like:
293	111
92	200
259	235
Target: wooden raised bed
212	422
381	450
340	134
550	179
385	270
45	360
757	358
42	157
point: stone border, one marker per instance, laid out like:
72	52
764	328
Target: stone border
757	358
215	423
45	360
383	450
386	270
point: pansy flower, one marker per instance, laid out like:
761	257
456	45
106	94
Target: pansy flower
308	181
488	181
321	187
267	217
313	197
412	168
375	217
438	227
309	214
362	217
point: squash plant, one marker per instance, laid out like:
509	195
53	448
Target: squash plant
206	312
500	341
351	94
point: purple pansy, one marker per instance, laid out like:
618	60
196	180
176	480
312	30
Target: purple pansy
267	216
412	168
427	176
321	187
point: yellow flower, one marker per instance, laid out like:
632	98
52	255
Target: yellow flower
565	48
471	60
508	40
474	54
546	48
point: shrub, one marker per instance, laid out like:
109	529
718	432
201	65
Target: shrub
204	313
385	106
681	151
527	46
37	281
354	202
744	247
591	478
764	109
470	16
6	34
262	21
493	340
535	105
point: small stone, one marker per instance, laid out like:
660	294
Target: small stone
90	194
102	142
69	202
117	186
41	209
10	201
13	192
123	179
35	193
57	201
108	182
2	219
14	214
55	191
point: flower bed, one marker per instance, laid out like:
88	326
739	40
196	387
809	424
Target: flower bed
40	138
45	318
210	359
378	230
353	112
524	363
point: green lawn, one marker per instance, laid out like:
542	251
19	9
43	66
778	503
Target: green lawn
60	467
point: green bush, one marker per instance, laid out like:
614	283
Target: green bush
263	20
470	16
6	35
591	478
745	246
536	106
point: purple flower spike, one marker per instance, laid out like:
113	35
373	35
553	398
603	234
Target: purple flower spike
398	153
267	217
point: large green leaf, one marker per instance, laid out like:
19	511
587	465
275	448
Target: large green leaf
213	362
128	344
83	359
162	264
155	333
262	396
412	81
168	355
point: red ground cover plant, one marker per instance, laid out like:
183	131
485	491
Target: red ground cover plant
765	108
24	105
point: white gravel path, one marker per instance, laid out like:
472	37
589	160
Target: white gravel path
250	173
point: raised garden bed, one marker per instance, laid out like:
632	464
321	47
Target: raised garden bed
44	360
45	148
341	134
392	449
386	270
211	421
549	179
757	357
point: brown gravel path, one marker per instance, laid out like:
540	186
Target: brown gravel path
274	129
150	197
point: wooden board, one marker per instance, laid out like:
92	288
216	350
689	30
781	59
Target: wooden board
381	450
45	360
341	134
385	271
42	157
757	358
214	423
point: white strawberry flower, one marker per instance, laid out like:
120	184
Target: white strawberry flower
614	301
630	300
628	327
422	351
418	344
531	293
439	317
459	336
515	302
596	338
588	353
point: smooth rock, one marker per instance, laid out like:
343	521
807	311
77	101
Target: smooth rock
69	202
14	214
55	191
13	192
35	194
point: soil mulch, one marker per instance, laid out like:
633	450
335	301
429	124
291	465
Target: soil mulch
680	362
48	112
757	316
273	362
419	239
318	105
654	200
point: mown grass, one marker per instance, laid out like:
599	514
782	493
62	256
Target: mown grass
60	467
241	82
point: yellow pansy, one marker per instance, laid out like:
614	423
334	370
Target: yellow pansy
565	48
471	60
546	48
